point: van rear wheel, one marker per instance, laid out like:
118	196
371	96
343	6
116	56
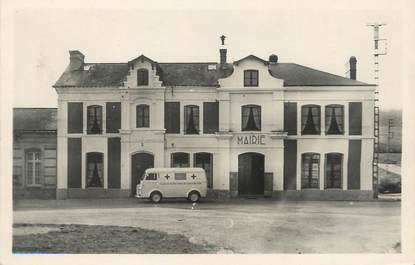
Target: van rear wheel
194	196
155	197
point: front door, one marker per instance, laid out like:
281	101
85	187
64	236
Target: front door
251	174
139	163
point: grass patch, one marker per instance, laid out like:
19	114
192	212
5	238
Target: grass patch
104	239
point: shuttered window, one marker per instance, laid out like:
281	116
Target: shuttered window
334	119
172	117
310	170
94	119
142	116
355	118
142	77
310	119
114	163
75	120
290	118
113	113
191	119
333	166
74	162
210	117
250	78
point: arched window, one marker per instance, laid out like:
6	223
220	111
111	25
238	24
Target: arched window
251	118
180	159
191	119
33	167
334	119
333	170
310	119
142	116
94	170
94	119
250	78
310	173
142	77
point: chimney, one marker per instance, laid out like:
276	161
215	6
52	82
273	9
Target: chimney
273	59
76	61
222	50
352	71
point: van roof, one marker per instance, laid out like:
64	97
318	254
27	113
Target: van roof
174	169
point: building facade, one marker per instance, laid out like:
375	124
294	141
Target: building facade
258	127
34	153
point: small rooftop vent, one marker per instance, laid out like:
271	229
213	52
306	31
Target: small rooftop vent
273	59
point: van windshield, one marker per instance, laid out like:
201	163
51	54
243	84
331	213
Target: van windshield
143	176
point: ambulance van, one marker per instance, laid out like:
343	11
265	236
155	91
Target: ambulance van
160	183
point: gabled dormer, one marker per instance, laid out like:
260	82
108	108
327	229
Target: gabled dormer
142	73
250	73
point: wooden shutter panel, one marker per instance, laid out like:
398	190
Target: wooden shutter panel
290	164
114	163
355	118
210	117
113	113
290	118
75	117
353	164
172	117
74	162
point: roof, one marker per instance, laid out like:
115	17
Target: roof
299	75
174	169
197	74
251	56
35	119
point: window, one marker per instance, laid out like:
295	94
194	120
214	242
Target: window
251	118
204	160
310	119
151	176
95	170
179	176
333	171
142	77
180	160
142	116
191	119
33	164
251	78
94	119
334	119
310	170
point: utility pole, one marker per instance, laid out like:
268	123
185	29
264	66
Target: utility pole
376	53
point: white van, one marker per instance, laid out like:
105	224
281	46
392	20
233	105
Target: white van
158	183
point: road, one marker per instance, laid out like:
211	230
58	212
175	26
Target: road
243	226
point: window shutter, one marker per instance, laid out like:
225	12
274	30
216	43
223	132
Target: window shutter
113	111
210	117
290	164
290	118
353	164
355	118
114	163
172	117
75	117
74	162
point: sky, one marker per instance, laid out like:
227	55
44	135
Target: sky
321	38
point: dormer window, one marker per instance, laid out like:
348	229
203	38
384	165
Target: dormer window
142	77
250	78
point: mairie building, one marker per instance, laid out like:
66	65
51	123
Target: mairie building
260	128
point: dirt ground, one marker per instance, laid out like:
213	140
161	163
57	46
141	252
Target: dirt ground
82	239
243	226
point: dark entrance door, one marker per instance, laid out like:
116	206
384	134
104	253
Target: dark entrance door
139	163
251	174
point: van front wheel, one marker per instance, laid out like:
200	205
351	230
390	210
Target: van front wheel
155	196
194	196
